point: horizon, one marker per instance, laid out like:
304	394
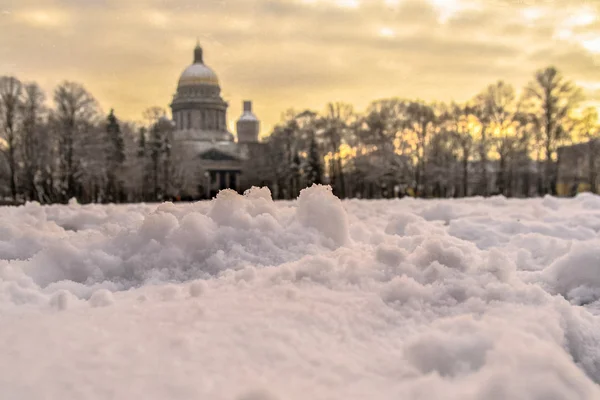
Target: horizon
336	50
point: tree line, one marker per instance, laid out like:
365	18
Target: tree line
500	142
52	154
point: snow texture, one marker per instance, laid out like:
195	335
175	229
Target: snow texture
243	298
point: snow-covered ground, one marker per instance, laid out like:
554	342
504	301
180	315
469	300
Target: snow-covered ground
243	298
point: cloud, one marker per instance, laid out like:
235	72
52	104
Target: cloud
296	53
43	18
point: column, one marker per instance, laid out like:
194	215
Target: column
207	184
227	180
222	180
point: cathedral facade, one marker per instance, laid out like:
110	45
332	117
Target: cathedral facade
211	156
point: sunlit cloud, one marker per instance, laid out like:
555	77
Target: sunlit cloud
592	44
573	28
338	3
532	14
157	18
581	17
564	34
42	18
348	3
447	8
392	3
589	85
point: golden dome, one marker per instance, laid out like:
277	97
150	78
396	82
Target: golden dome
198	73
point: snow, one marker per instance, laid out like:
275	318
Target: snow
244	298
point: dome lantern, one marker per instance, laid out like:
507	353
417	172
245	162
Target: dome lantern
198	56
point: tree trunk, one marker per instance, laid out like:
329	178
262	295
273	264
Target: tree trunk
424	183
341	179
510	180
549	142
548	171
418	182
502	174
12	164
483	157
539	173
69	179
155	180
465	177
592	166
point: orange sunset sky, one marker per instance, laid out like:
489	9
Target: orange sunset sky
298	53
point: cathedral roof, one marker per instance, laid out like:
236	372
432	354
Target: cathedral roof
198	73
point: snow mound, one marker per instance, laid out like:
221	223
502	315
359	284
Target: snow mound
576	275
198	288
319	209
257	395
245	298
401	222
102	298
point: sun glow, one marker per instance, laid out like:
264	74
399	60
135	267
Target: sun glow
387	32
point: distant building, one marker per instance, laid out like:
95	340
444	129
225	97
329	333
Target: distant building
518	177
578	166
202	144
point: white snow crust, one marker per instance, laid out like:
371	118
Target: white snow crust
243	298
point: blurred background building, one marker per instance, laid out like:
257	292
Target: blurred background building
214	160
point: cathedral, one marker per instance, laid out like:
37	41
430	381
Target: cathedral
210	155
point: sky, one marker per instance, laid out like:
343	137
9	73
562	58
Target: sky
298	53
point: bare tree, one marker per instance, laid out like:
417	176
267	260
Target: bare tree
159	151
551	98
420	118
304	151
588	129
383	159
10	97
496	109
456	121
33	143
152	115
336	123
75	112
115	158
441	160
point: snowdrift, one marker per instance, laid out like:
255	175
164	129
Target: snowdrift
244	298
